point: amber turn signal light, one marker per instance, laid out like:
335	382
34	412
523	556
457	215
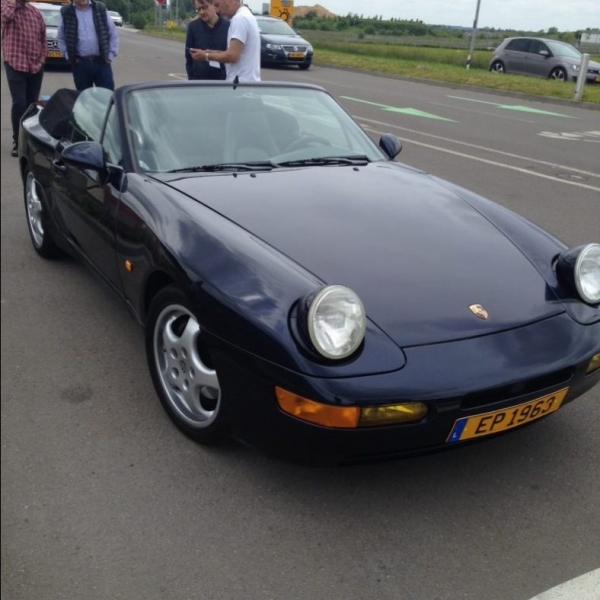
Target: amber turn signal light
345	417
348	417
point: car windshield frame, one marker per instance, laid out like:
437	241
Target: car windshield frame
217	125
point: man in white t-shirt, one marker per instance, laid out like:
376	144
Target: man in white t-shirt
242	57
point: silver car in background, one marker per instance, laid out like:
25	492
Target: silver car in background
51	14
543	58
117	19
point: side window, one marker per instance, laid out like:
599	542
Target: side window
520	45
88	115
537	47
111	140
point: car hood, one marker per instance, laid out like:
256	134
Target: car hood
592	64
51	33
294	40
417	254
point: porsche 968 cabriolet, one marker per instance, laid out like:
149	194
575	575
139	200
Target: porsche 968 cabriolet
301	290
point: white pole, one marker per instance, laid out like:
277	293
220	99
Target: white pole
472	48
585	59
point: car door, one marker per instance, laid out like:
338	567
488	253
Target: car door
538	59
516	55
86	200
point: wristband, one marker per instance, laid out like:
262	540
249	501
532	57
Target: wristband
207	59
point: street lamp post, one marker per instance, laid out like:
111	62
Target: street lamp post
473	35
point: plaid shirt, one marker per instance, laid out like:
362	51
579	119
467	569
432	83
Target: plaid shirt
23	37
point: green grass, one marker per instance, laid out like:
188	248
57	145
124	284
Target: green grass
436	64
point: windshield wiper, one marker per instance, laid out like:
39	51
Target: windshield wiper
358	159
262	165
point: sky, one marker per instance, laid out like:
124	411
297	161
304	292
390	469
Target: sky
528	15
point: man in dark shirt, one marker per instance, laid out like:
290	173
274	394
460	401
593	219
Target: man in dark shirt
209	30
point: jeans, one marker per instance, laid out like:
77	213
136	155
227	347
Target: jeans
90	72
24	89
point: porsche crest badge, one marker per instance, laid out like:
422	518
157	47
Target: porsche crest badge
479	311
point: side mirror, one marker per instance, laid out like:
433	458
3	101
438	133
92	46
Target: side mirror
544	53
85	155
391	145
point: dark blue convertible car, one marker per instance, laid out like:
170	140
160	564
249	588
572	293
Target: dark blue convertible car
300	290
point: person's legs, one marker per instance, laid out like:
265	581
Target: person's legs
103	75
83	74
34	86
17	85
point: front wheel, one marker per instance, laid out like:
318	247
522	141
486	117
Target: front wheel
36	210
559	74
304	67
182	372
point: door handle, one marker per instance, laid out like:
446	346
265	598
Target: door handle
59	168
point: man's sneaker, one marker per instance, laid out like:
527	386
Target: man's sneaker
14	152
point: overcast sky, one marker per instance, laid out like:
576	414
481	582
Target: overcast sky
534	15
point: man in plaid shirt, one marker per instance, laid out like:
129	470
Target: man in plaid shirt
24	51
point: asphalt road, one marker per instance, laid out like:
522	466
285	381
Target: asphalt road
102	499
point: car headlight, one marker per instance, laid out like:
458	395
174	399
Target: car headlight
335	321
309	48
273	46
575	67
580	268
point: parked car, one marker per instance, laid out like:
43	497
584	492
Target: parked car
51	14
117	19
300	290
282	45
543	58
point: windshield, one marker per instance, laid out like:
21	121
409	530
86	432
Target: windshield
50	17
275	27
562	49
250	126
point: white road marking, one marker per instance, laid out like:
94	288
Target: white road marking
577	136
477	147
585	587
498	164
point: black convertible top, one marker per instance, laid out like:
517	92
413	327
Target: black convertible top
55	115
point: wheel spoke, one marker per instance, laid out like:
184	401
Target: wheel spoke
191	387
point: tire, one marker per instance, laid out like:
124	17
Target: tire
184	378
497	67
559	74
36	211
304	67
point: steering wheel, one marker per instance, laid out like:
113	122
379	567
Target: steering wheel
307	141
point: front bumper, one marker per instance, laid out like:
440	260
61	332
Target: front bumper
281	57
455	380
54	54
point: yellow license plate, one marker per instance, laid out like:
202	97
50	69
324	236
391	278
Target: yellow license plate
55	54
507	418
296	54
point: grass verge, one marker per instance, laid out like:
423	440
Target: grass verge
433	64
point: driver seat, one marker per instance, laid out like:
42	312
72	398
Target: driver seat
248	137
